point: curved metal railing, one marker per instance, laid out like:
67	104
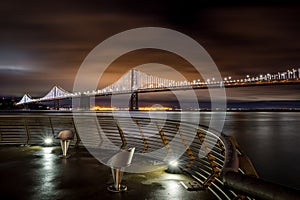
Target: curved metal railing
208	155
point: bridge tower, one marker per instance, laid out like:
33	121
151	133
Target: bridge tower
133	103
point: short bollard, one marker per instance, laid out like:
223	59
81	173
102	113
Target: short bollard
117	163
65	137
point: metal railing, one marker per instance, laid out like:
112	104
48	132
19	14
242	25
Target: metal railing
33	129
211	158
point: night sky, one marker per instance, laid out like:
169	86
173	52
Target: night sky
43	43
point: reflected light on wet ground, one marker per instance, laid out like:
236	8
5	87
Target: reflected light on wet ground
46	174
173	186
39	173
48	160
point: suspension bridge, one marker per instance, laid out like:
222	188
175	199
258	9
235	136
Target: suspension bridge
134	82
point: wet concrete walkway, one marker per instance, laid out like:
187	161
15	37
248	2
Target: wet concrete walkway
39	173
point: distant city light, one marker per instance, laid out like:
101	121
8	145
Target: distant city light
99	108
158	108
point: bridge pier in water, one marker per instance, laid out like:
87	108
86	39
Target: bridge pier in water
56	104
133	103
84	102
26	106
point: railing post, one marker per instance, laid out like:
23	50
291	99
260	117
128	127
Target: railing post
164	139
51	125
188	151
122	136
0	136
211	159
143	137
76	133
27	131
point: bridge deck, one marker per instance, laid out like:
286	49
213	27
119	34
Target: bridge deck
39	173
135	81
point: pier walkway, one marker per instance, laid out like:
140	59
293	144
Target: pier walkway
34	172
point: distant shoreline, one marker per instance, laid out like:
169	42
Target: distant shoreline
204	110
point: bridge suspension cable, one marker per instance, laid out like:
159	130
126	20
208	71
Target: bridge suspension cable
135	81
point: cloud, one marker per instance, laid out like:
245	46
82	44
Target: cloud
13	68
44	43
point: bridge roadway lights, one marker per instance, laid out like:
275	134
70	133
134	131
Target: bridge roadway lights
118	162
65	137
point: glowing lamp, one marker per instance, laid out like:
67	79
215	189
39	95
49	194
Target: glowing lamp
173	163
48	141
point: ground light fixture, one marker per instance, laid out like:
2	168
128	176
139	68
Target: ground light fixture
173	163
48	141
173	167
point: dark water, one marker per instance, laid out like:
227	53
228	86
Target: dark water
270	139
